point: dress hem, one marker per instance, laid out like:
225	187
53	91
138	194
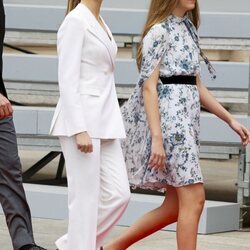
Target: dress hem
161	187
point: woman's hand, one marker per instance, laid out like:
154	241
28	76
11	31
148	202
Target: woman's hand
158	156
84	142
241	131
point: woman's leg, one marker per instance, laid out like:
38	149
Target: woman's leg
83	175
191	201
151	222
114	188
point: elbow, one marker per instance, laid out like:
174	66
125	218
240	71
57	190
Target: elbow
148	92
148	89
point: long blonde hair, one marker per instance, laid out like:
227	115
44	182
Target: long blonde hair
72	4
159	10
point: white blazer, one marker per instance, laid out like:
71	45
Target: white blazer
88	100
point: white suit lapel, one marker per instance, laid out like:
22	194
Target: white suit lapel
96	29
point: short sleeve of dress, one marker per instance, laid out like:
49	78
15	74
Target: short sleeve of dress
154	47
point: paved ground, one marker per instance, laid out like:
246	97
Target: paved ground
47	231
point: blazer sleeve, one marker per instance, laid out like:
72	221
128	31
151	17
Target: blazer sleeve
69	45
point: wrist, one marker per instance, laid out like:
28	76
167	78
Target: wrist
229	119
157	137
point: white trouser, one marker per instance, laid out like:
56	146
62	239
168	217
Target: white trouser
98	192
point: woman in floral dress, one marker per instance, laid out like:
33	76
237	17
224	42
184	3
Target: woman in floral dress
162	123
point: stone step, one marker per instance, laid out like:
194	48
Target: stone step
212	5
51	202
232	46
216	216
47	94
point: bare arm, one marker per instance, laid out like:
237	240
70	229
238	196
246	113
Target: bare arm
151	105
212	105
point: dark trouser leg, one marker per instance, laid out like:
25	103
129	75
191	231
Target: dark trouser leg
12	196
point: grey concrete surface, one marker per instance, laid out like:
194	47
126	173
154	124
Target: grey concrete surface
220	176
47	231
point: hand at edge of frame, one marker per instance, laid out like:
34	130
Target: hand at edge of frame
241	131
84	142
5	107
158	155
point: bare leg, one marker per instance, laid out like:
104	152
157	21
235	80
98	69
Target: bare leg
149	223
191	202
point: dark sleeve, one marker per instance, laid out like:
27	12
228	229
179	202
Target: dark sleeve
2	32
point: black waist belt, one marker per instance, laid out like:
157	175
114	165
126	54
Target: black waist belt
191	80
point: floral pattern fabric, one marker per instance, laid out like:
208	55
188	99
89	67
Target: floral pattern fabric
170	45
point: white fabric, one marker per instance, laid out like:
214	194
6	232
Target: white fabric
98	192
88	100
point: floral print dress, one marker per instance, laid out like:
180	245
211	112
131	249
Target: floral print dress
170	45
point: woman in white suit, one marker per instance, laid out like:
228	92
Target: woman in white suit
88	122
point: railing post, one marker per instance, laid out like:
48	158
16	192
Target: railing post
240	193
243	196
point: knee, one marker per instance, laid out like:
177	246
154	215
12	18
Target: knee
170	211
123	197
198	203
193	201
12	162
10	170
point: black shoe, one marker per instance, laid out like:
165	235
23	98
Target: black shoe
101	248
31	247
37	248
